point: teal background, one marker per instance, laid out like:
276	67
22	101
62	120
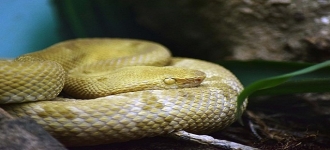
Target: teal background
26	26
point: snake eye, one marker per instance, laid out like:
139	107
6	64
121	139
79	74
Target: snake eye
169	81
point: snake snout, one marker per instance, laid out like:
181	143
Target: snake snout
193	80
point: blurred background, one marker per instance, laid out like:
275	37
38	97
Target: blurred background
26	26
210	30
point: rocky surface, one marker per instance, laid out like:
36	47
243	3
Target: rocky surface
241	29
24	133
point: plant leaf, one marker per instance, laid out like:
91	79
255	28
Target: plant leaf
268	85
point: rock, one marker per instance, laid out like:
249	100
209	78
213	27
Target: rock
24	133
241	29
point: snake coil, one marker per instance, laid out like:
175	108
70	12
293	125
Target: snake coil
120	91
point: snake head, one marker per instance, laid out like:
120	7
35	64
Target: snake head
130	79
184	78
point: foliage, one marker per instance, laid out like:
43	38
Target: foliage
309	78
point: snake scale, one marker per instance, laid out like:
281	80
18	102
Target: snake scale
117	90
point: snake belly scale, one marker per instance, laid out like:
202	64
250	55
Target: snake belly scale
197	97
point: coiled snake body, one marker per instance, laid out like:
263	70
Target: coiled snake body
119	99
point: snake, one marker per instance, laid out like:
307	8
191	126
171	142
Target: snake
91	91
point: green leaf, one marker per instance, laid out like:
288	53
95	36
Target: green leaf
267	86
297	86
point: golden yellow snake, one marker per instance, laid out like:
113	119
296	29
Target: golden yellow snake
126	94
